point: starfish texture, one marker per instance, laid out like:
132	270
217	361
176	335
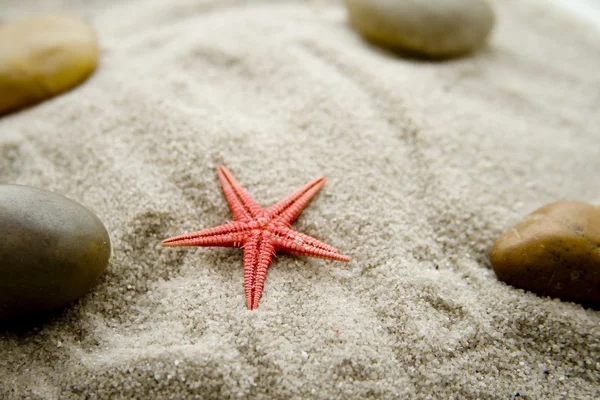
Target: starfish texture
260	232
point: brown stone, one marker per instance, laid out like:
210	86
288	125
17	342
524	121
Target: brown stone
43	56
555	251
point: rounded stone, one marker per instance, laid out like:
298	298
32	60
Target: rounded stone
428	28
555	251
43	56
52	250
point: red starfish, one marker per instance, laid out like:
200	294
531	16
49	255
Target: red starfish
260	232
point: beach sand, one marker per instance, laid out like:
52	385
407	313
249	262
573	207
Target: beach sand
427	164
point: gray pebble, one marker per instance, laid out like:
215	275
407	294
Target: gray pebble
424	27
52	250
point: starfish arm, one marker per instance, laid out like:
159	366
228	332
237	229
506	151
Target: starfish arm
303	245
286	233
258	252
289	208
241	204
231	234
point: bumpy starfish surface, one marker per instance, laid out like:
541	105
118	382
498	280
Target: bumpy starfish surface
260	232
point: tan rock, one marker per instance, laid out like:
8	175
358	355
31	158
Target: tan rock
555	251
425	27
43	56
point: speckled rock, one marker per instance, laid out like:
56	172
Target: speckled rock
424	27
555	251
43	56
52	250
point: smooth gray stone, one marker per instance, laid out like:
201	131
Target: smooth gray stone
52	250
424	27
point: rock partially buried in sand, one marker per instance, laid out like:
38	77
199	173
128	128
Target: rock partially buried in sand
555	251
43	56
424	27
52	250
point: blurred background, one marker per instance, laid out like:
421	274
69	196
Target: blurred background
585	8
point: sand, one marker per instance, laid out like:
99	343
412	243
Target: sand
427	163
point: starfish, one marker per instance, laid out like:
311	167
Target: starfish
260	232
